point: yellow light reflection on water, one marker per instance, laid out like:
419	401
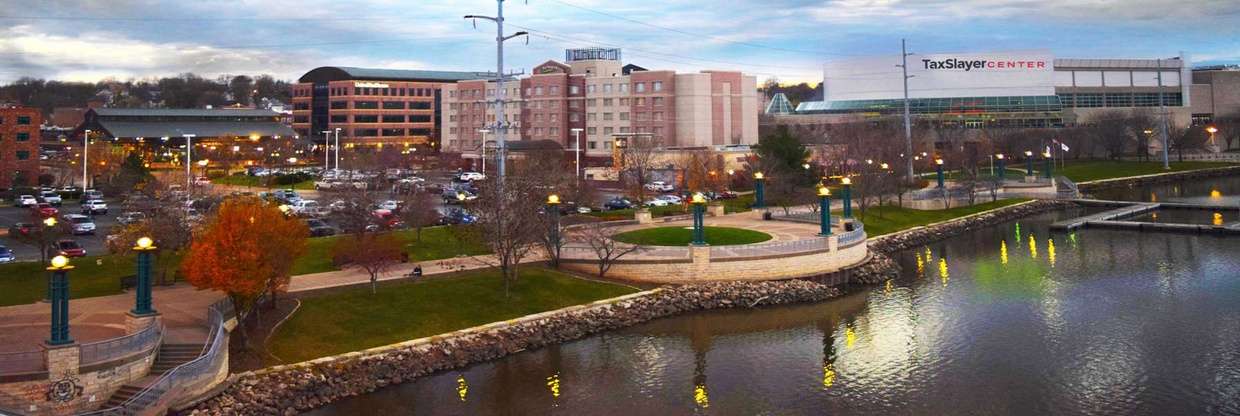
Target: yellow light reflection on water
828	376
943	275
1153	197
1050	251
553	384
700	397
1072	239
1218	219
850	337
1018	233
928	254
921	266
1033	247
462	388
1215	194
887	288
1003	252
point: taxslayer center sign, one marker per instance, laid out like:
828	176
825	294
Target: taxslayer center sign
992	74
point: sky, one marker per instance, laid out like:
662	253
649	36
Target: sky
89	40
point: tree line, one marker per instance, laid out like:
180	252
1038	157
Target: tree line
186	90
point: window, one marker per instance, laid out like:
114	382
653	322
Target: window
365	119
420	118
23	154
538	91
607	102
592	131
624	88
490	92
658	100
1089	100
658	85
572	117
527	92
21	137
624	116
393	105
393	132
606	116
607	131
590	88
658	116
574	104
592	145
339	105
451	94
419	132
624	130
23	119
555	131
452	130
591	102
366	132
555	117
624	101
340	118
366	105
607	88
555	90
608	143
301	106
301	119
639	87
592	117
419	105
1118	100
393	119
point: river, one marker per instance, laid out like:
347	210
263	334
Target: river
1011	319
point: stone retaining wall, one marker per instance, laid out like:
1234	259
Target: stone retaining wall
299	387
1091	186
919	236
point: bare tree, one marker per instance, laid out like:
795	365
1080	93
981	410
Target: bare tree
373	252
599	237
351	210
1112	130
509	223
637	159
418	211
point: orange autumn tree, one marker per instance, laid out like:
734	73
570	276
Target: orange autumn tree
246	250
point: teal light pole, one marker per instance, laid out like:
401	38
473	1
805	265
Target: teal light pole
938	168
1028	163
142	292
759	191
1002	166
60	301
847	196
699	226
824	211
1046	157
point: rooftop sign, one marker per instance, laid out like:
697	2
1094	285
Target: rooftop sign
984	74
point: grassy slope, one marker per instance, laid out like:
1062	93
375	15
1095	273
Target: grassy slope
436	243
681	236
354	319
1106	169
889	219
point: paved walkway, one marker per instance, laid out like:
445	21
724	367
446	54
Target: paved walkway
780	231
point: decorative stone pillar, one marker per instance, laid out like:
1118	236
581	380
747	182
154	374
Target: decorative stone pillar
701	260
643	216
716	210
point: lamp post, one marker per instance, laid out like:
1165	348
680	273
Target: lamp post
1028	163
847	196
85	146
60	301
553	210
484	132
337	149
1046	157
1002	168
938	167
1213	144
327	150
142	293
759	191
699	207
577	149
824	211
189	146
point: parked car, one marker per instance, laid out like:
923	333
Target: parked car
318	228
671	199
656	203
390	205
471	176
202	181
726	194
94	207
307	208
81	224
287	196
21	229
6	255
451	196
131	217
91	195
67	248
45	210
618	203
26	201
383	219
68	189
457	216
660	186
50	197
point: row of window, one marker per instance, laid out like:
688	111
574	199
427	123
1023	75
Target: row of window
554	90
21	120
21	137
386	105
373	91
372	118
389	132
1140	99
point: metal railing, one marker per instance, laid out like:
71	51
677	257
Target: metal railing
189	377
139	342
21	362
763	249
850	237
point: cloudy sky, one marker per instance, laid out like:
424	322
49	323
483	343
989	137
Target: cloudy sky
788	39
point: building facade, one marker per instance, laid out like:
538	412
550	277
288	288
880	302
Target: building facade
19	146
594	92
373	106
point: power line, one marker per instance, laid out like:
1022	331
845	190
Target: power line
195	18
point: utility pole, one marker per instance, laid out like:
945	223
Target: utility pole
484	149
1162	122
501	151
327	150
85	147
577	150
908	127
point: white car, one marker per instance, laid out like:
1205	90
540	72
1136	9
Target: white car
202	181
472	176
81	224
307	208
51	197
94	206
671	199
389	205
27	201
660	186
656	203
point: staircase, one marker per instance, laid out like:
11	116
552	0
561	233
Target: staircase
169	357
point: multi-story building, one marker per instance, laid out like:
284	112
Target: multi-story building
593	91
373	106
19	146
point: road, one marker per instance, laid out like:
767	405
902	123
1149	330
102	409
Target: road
94	244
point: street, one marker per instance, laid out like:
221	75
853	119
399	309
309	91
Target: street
94	244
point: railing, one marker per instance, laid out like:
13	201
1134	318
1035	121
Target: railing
669	252
850	237
190	377
21	362
142	341
764	249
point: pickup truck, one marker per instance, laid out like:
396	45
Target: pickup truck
94	206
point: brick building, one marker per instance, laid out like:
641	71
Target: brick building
595	92
373	106
19	146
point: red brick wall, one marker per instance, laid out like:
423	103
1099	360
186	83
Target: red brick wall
642	115
9	146
717	79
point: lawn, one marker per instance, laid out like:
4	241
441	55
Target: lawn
354	319
682	236
436	243
889	219
259	182
1106	169
26	282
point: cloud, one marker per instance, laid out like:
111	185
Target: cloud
887	12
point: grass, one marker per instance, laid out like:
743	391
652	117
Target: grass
436	243
889	219
354	319
26	282
259	182
681	236
1081	171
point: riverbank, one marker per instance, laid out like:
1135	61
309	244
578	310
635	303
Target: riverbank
1156	178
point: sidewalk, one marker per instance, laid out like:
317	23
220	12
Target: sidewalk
353	276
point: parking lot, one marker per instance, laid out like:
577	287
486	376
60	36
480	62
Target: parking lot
94	244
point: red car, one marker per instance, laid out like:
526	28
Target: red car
21	228
67	248
45	210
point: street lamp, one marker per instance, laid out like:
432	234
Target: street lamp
847	182
327	149
699	207
577	148
1046	157
85	146
883	165
484	132
337	149
60	301
938	168
824	211
553	210
189	146
1028	163
759	191
142	293
1002	166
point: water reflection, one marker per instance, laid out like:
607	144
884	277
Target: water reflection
1105	322
1222	191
